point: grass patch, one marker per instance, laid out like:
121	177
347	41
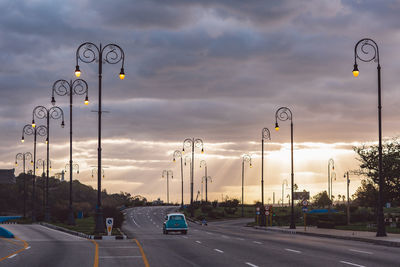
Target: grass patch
363	227
85	225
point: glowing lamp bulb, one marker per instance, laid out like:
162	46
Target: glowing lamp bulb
77	71
86	101
202	151
356	72
276	127
22	139
16	164
122	74
33	124
174	159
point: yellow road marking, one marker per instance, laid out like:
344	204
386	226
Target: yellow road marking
18	251
96	253
10	240
146	263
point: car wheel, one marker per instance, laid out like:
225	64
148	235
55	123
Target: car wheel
166	232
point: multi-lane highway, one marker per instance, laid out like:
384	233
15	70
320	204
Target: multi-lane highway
224	243
38	246
229	243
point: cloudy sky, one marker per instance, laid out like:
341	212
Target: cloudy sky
215	70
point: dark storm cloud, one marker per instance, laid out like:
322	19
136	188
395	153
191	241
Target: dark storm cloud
211	69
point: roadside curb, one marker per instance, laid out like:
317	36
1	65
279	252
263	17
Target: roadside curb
361	239
71	232
193	220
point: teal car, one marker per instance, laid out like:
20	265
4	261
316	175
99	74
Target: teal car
175	222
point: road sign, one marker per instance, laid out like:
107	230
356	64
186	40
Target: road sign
305	209
305	202
109	224
258	209
257	213
267	212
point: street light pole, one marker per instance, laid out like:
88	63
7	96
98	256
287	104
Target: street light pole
284	114
55	113
204	163
24	156
192	142
111	53
43	163
348	197
167	172
362	52
62	88
245	158
331	165
33	130
178	154
265	134
285	182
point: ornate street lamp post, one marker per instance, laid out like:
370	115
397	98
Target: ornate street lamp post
192	142
204	163
178	154
35	131
362	52
24	157
43	163
265	135
167	173
71	168
283	189
331	166
62	88
245	158
112	54
284	114
55	113
346	175
95	172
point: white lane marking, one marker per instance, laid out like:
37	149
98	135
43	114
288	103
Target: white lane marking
224	236
360	251
257	242
185	237
241	239
28	247
135	222
352	264
197	241
113	257
217	250
209	233
292	250
251	264
12	256
195	230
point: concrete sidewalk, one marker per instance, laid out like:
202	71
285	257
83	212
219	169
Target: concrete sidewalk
392	240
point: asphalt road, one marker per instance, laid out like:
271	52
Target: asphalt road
39	246
229	243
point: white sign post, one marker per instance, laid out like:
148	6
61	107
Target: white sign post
109	225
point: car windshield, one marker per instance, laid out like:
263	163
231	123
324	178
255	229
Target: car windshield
176	217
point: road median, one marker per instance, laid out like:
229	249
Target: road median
392	240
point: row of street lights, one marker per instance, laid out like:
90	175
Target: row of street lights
86	53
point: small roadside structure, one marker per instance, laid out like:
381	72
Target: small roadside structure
7	176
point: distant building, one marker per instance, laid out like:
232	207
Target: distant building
7	176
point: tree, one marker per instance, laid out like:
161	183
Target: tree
322	200
368	158
367	194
